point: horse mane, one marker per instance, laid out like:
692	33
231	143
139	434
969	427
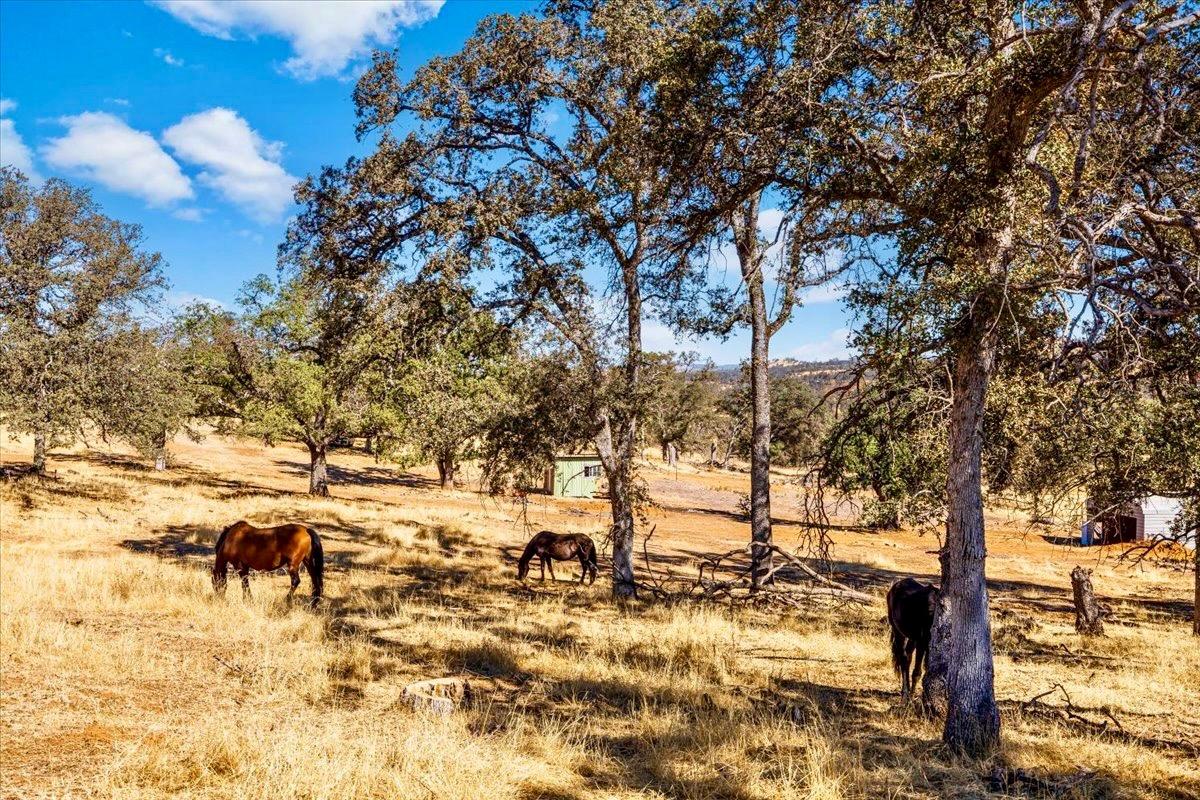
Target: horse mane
530	549
221	538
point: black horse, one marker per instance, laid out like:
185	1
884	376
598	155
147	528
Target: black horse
549	547
910	605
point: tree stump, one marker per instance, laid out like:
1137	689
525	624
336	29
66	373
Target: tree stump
1087	611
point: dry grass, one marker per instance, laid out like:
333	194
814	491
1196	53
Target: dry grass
122	675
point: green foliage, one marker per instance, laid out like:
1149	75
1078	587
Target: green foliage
156	388
551	407
70	278
446	400
681	405
797	420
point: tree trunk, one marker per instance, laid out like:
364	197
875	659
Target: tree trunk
318	474
39	453
160	452
672	455
728	449
1087	612
712	454
617	462
666	453
760	399
1196	572
965	637
446	469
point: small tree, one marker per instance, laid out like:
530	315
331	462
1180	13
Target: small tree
551	402
68	277
293	369
447	400
681	401
154	389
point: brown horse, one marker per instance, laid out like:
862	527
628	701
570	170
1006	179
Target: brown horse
910	605
550	547
245	547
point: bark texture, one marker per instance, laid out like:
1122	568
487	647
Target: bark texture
1088	617
446	469
750	259
1196	605
318	473
39	453
965	637
616	458
160	453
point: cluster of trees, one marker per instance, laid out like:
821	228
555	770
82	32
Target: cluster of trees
1009	192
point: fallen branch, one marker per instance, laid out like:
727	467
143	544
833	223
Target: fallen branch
841	589
1070	711
227	665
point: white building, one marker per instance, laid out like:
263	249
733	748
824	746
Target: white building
1144	520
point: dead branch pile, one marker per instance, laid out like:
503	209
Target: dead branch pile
734	586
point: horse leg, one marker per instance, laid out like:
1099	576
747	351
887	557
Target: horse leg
218	576
550	564
294	574
583	568
909	647
245	573
918	662
542	561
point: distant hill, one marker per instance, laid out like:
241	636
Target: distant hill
818	374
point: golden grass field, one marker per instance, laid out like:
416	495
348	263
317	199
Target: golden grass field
122	675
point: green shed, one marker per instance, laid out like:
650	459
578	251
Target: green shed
574	475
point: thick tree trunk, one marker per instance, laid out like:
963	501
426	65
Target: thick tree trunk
318	473
712	454
666	452
672	455
618	467
446	469
965	636
160	452
39	453
1087	612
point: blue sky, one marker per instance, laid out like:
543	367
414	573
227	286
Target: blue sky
194	117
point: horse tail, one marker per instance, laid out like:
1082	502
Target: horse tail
316	565
898	659
591	559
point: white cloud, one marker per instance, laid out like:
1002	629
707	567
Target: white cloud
189	214
103	148
181	300
825	293
13	150
237	162
7	105
118	101
166	56
835	345
325	35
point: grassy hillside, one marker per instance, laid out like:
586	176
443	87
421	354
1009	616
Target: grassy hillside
122	675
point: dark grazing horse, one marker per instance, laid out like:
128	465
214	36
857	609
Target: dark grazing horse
245	547
910	605
550	547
